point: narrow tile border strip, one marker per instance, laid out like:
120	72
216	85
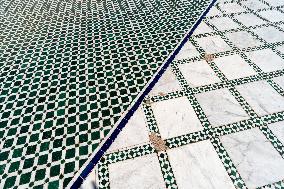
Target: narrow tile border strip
87	168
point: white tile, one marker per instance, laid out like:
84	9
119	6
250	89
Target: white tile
224	23
275	2
231	8
278	130
198	73
214	12
279	81
254	156
243	39
234	67
262	97
221	107
202	28
187	51
167	83
281	48
267	60
135	132
254	4
175	117
213	44
249	20
197	166
139	173
272	15
270	34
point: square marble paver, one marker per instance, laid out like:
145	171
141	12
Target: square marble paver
224	23
187	51
231	8
141	172
279	81
281	48
214	12
234	67
275	2
175	117
269	34
202	28
255	158
278	130
262	97
166	84
267	60
254	4
272	15
243	39
213	44
197	166
198	73
249	20
135	132
221	107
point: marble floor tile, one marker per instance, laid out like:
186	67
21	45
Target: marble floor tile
167	83
213	44
272	15
249	19
234	67
278	130
214	12
269	34
202	28
175	117
243	39
231	8
135	132
255	158
187	51
221	107
254	4
224	23
198	73
262	97
279	81
281	48
197	166
139	173
275	2
266	59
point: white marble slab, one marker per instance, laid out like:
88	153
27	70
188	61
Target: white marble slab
203	28
243	39
175	117
197	166
254	4
255	158
275	2
249	19
213	44
272	15
221	107
214	12
267	60
198	73
139	173
231	8
167	83
279	81
269	34
234	66
278	130
281	48
262	97
224	23
187	51
135	132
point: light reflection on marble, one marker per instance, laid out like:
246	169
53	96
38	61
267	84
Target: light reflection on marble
139	173
262	97
269	34
213	44
175	117
198	73
187	51
243	39
249	19
135	132
221	107
255	158
231	8
254	4
167	83
224	23
197	166
272	15
203	27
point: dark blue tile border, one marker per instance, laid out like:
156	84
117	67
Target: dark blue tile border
77	183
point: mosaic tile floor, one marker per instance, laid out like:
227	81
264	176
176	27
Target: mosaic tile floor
216	117
69	70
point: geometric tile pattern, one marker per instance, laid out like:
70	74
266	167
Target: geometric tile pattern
251	124
68	71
